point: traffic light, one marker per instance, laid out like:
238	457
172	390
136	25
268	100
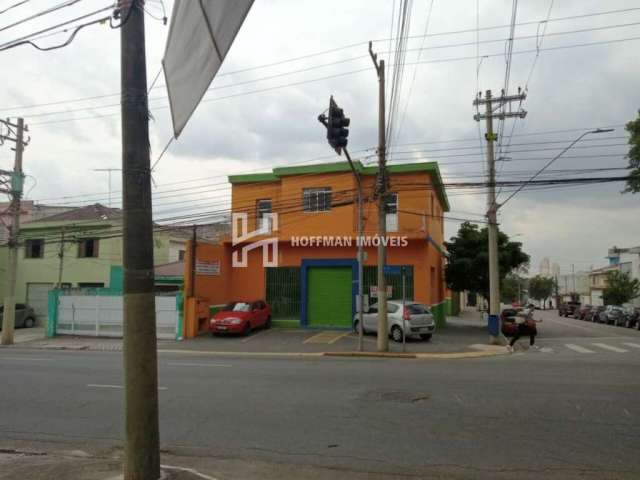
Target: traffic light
337	132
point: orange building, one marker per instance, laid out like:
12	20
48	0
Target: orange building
295	243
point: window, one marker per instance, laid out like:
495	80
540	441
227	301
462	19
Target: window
181	254
316	199
391	210
88	248
34	248
263	215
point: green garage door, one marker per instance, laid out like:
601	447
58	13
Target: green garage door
329	297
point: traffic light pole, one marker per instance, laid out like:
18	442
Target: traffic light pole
381	187
359	242
142	452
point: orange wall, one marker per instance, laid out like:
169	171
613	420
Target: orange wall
286	197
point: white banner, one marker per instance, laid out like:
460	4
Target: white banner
200	36
204	267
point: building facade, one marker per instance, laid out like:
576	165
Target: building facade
304	219
79	248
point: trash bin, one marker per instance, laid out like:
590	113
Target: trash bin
494	325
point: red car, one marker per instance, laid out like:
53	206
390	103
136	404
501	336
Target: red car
241	317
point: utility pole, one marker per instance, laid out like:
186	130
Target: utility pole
17	180
142	452
194	260
381	191
61	257
492	206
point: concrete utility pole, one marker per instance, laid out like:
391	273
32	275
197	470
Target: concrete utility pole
492	206
381	190
142	453
17	177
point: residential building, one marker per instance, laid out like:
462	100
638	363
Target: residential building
574	283
305	220
29	210
80	248
598	282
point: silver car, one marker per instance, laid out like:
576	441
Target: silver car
25	316
416	320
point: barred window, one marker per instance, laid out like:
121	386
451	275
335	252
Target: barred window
316	199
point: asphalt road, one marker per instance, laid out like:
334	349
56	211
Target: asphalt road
562	412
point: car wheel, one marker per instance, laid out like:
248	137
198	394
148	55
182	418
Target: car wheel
396	333
29	322
247	329
425	336
268	324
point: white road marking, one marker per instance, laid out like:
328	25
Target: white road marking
254	335
97	385
546	350
629	344
609	347
178	364
578	348
28	359
626	412
188	470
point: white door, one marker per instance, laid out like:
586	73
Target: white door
38	299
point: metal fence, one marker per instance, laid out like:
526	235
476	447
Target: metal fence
102	316
283	291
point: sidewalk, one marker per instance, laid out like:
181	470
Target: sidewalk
466	334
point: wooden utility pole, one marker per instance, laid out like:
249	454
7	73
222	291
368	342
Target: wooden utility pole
492	206
9	316
381	191
142	453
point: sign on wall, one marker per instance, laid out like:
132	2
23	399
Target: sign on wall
210	267
374	291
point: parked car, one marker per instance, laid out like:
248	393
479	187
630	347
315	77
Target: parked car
581	313
508	314
415	320
612	314
567	309
25	316
241	317
632	319
594	314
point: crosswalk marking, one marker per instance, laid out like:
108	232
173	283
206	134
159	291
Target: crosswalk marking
634	345
578	348
609	347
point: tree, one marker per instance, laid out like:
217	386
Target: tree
621	288
468	266
541	287
512	288
633	182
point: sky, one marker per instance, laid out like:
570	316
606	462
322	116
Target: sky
580	70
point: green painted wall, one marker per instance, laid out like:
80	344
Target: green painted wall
106	268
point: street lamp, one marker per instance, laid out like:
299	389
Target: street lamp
589	132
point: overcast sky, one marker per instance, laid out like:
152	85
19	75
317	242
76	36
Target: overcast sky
265	121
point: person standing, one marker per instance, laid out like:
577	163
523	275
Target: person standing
526	326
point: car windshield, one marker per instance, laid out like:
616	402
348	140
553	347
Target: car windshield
241	307
417	309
